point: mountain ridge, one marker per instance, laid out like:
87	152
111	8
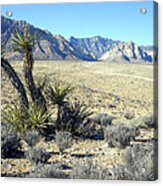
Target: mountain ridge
56	47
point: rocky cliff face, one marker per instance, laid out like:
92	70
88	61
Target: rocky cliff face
93	47
47	47
56	47
130	52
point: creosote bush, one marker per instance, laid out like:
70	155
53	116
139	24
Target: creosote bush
47	171
103	119
136	122
32	137
88	170
149	120
139	163
129	114
10	142
37	155
120	135
63	140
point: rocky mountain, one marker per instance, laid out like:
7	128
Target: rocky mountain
47	47
130	52
93	47
56	47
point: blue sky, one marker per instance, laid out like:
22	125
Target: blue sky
117	20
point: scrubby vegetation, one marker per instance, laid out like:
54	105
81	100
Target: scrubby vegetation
26	119
47	171
120	135
103	119
32	137
96	132
88	170
37	155
139	163
10	142
63	140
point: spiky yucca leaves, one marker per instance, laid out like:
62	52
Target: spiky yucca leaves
74	117
30	118
70	117
24	43
37	116
14	116
41	82
58	91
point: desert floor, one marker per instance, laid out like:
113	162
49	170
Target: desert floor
113	88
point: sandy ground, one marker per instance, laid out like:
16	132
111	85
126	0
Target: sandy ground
105	88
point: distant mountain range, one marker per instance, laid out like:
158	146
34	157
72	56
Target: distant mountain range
56	47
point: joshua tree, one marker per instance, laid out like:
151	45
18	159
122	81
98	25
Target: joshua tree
16	82
24	43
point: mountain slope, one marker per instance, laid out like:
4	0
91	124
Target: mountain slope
93	47
47	47
130	52
56	47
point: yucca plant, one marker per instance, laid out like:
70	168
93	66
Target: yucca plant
30	118
57	93
24	43
37	117
74	117
13	115
14	79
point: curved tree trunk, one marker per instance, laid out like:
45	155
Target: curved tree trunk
16	82
35	93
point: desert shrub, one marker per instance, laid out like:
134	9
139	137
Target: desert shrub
47	171
32	137
29	119
120	135
136	122
103	119
88	170
143	121
139	163
63	140
10	142
150	120
74	118
37	155
129	114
